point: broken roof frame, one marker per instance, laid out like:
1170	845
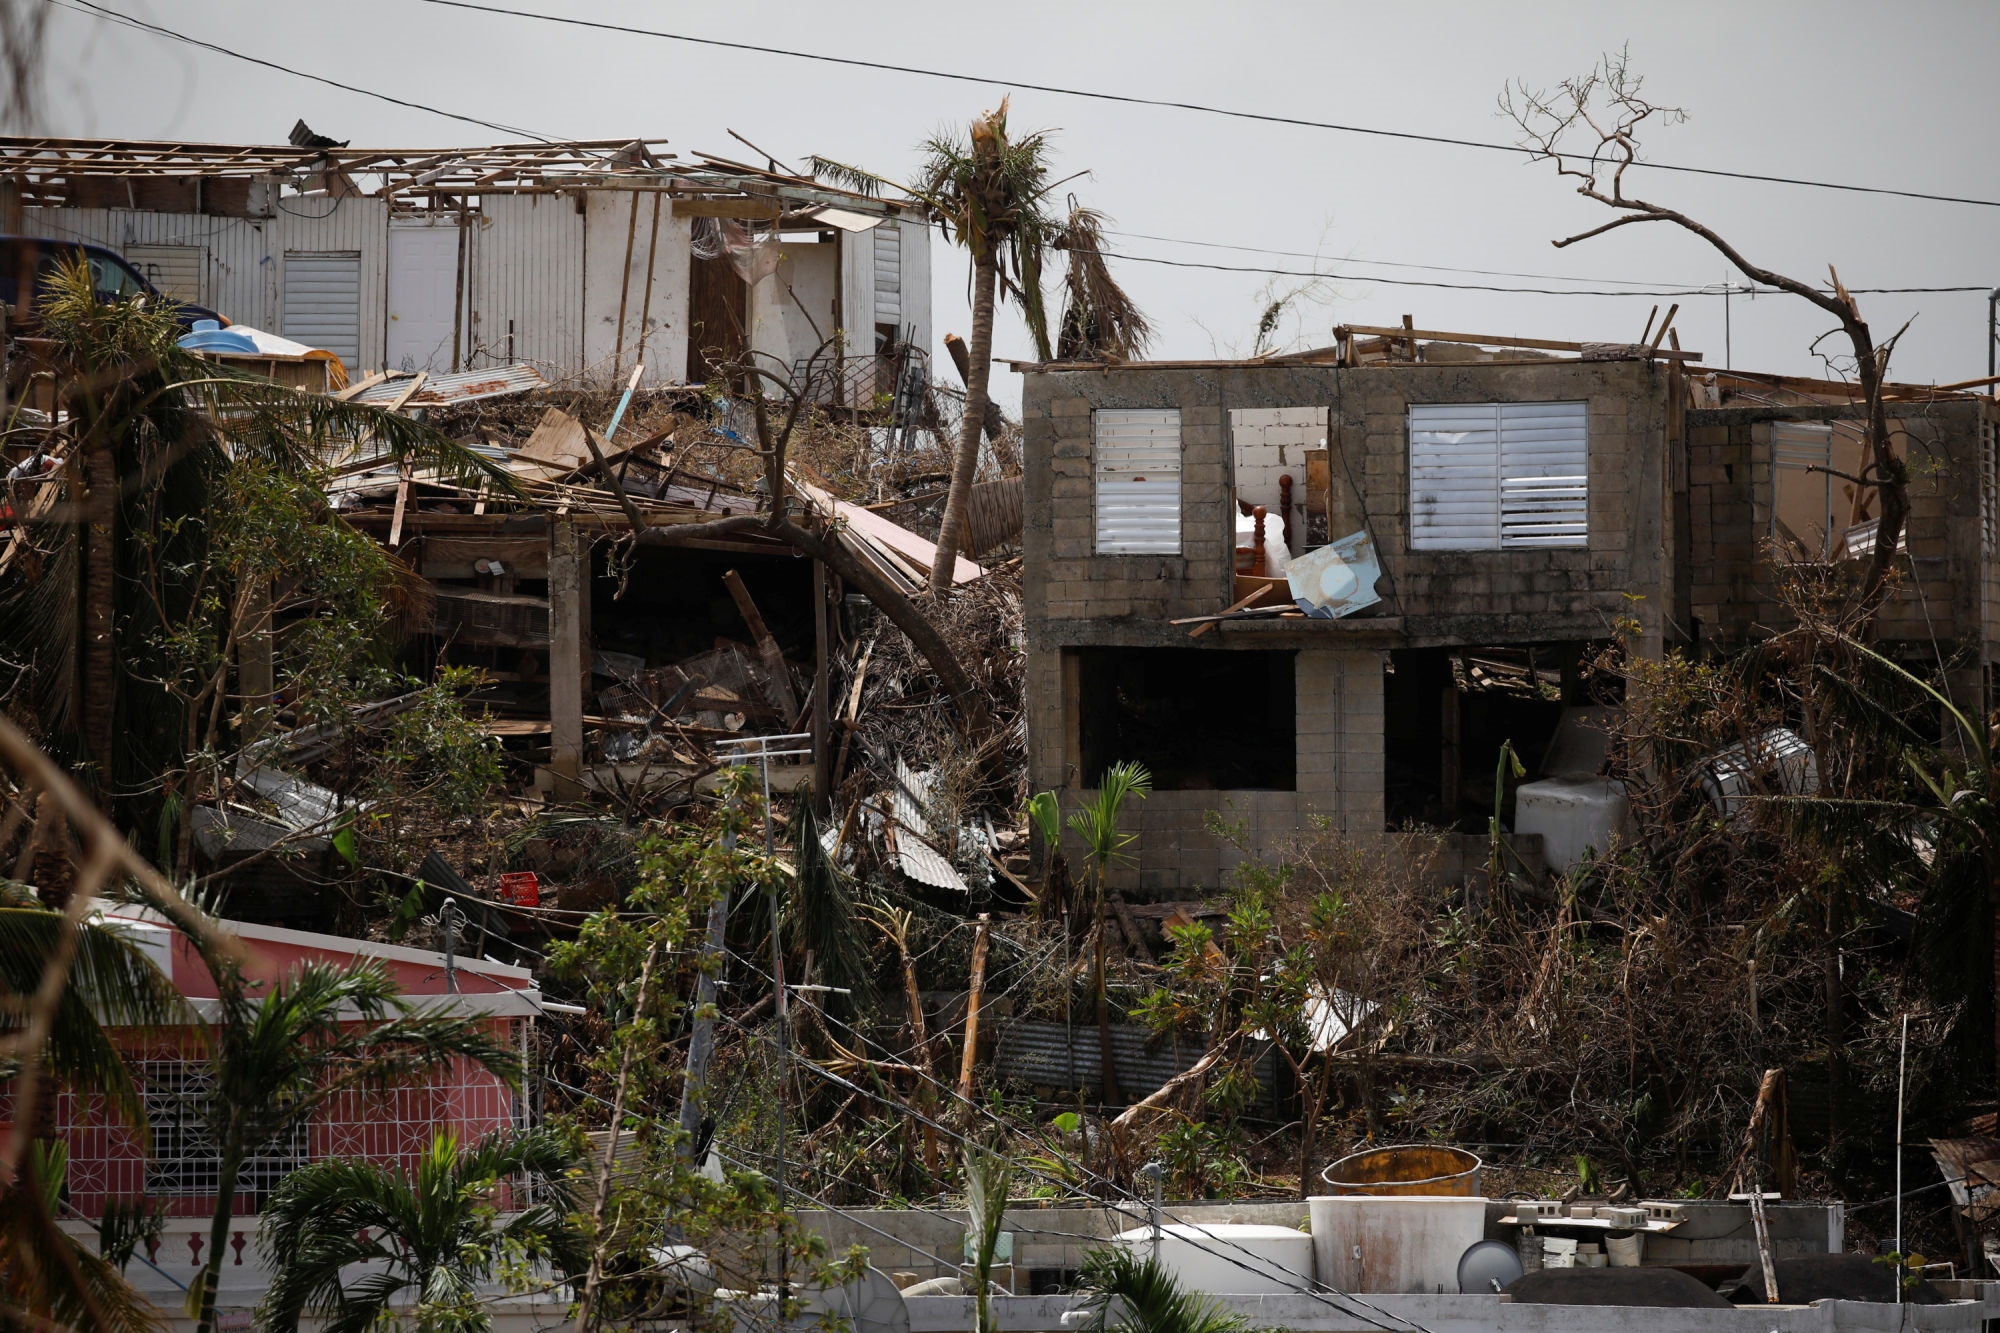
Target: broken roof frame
44	167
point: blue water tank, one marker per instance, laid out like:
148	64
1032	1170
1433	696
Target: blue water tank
210	336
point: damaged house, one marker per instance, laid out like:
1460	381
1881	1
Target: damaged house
581	259
1470	521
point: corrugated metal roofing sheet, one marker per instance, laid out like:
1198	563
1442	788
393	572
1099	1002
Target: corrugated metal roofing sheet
462	386
1051	1055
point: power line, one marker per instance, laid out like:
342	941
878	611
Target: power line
1712	290
1389	263
92	10
1515	150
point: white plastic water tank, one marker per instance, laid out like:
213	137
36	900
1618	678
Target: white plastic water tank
1393	1243
1230	1258
1572	815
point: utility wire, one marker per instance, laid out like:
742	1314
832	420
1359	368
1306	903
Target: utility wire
1712	290
97	11
1515	150
93	10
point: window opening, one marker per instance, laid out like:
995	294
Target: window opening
1198	720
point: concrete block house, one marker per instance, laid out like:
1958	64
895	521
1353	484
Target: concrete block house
1526	508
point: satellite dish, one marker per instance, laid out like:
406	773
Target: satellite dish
1487	1266
870	1303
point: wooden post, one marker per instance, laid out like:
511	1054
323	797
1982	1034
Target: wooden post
767	647
569	584
1448	756
977	984
822	700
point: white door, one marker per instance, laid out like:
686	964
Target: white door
423	288
323	302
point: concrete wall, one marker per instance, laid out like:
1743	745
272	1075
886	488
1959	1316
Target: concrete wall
1951	585
1074	597
930	1242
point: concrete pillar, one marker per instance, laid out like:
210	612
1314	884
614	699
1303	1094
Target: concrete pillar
569	636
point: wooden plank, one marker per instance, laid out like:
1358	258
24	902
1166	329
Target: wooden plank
453	557
355	390
1256	596
767	647
402	506
1489	340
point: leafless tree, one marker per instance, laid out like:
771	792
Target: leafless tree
1588	126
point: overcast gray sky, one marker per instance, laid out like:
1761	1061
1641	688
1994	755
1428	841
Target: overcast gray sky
1900	96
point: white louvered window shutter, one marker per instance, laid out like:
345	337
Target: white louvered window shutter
1498	476
1138	480
888	273
1989	489
1544	474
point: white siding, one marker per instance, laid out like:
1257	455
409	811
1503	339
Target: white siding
857	290
232	249
915	301
176	270
1493	476
659	323
351	226
1137	457
422	320
323	302
527	272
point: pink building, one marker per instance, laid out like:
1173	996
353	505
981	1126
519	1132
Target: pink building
108	1159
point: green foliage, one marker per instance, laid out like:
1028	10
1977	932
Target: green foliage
988	1176
1129	1294
1198	1162
434	1235
434	751
1044	811
824	919
111	984
1104	839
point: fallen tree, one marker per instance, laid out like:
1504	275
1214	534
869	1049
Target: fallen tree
819	542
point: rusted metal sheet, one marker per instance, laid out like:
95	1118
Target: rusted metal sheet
1971	1170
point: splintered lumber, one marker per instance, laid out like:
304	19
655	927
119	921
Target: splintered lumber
1208	622
767	647
1130	926
973	989
1488	340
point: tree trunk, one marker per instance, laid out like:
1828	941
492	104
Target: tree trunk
951	533
218	1238
96	681
1308	1129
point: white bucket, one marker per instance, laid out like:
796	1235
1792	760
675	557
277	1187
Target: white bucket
1624	1251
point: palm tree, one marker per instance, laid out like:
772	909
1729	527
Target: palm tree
1133	1295
433	1235
988	1178
989	195
148	433
278	1055
1104	843
44	1271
